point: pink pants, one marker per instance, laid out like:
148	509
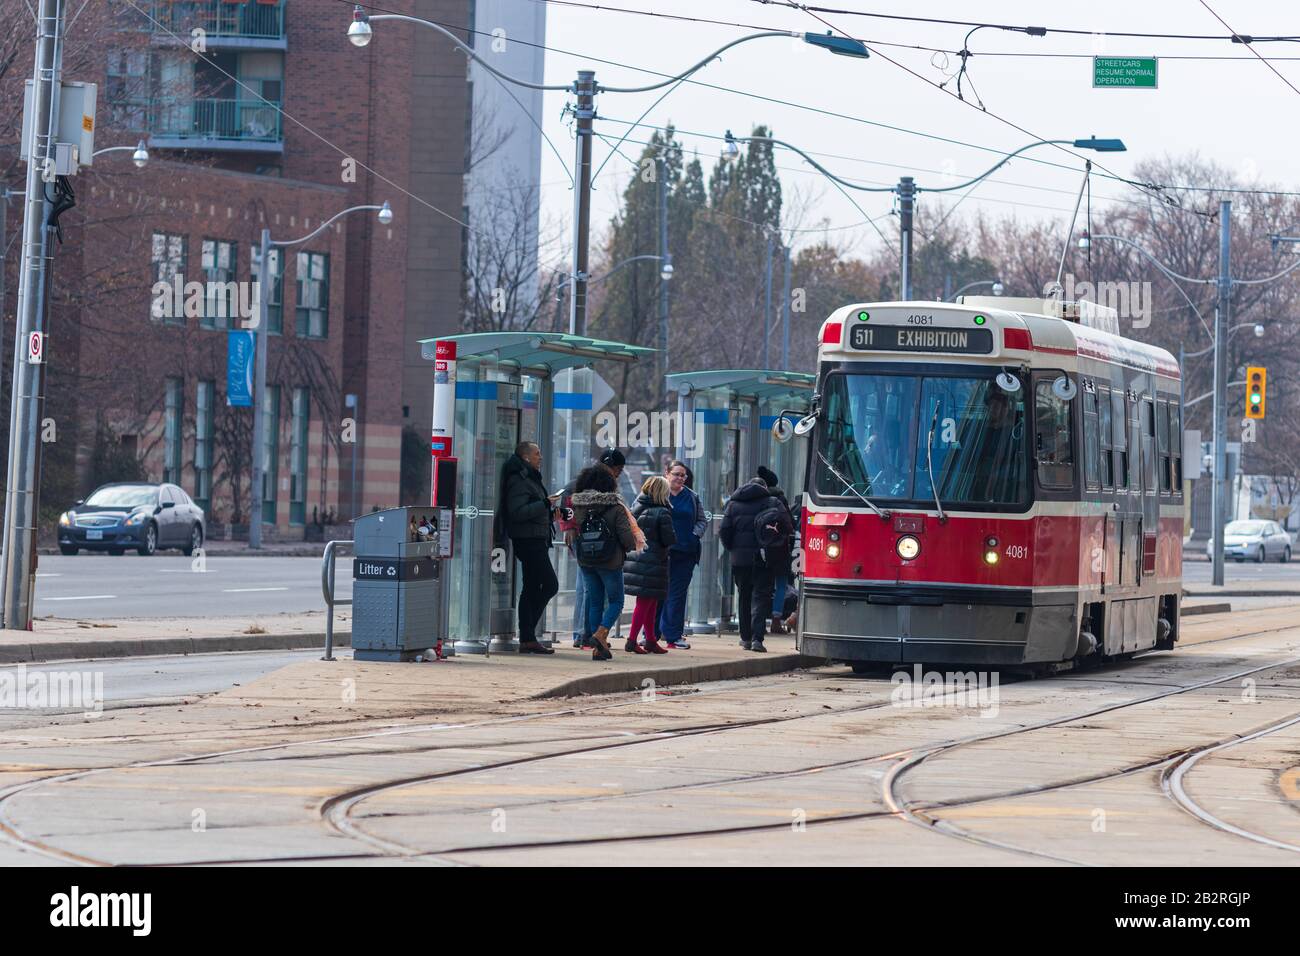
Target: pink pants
643	615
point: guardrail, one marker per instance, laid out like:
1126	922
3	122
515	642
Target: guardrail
327	589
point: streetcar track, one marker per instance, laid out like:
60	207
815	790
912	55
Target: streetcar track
11	835
1171	784
919	816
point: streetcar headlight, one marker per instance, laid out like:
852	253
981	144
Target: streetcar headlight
990	550
908	547
832	550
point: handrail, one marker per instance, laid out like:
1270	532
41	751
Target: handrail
327	589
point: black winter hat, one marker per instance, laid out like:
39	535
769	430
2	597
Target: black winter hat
613	458
768	476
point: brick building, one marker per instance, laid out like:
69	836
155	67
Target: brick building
260	114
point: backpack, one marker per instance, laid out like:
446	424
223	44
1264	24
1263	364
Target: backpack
773	527
597	543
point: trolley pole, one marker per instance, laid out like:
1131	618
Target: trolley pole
585	88
259	396
24	468
906	207
1221	324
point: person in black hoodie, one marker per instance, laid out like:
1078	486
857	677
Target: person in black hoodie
524	515
778	558
739	535
645	572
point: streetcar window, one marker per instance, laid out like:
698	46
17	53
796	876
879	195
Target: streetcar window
1119	418
877	428
1148	446
1090	439
1176	444
1053	438
977	450
1134	448
1162	442
1106	434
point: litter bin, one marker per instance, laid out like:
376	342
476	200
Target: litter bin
395	584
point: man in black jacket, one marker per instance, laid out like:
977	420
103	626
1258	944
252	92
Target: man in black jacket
524	514
753	577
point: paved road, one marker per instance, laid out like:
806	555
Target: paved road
143	681
1272	572
102	586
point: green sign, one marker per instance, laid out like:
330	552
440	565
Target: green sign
1132	72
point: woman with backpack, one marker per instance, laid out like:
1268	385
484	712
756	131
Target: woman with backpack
645	572
689	525
606	533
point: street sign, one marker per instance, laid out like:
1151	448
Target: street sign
1124	72
36	348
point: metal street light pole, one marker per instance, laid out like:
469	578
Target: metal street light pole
665	275
996	283
23	478
260	459
1221	319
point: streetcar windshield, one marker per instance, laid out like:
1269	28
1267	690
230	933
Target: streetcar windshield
877	429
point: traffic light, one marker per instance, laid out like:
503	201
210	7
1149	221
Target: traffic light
1256	386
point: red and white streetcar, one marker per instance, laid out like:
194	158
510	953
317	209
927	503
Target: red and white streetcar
994	482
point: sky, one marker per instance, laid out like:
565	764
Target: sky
1233	110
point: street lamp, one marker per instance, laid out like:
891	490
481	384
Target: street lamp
139	153
256	492
907	190
995	283
584	88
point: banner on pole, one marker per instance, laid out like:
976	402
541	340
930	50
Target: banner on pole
241	347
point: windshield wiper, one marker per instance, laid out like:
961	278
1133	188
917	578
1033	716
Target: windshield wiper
865	500
929	463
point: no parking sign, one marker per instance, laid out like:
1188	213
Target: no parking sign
36	348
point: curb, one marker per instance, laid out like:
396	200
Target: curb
1223	608
1261	592
620	681
85	650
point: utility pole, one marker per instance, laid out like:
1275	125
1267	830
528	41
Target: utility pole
767	300
1221	322
264	280
785	312
585	112
906	207
24	470
664	264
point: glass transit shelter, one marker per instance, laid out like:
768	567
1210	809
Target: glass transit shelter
512	387
731	412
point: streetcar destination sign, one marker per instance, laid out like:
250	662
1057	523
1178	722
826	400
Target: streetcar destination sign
899	338
1124	72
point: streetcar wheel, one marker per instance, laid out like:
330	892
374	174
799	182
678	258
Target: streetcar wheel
861	667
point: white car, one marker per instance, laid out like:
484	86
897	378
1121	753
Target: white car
1256	539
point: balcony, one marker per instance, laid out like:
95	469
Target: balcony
226	24
214	124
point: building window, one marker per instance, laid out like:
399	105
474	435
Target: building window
312	316
174	409
298	456
275	304
270	452
221	293
205	400
168	255
128	89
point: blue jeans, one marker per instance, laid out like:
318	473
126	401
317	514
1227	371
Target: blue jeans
604	597
672	611
778	595
580	629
